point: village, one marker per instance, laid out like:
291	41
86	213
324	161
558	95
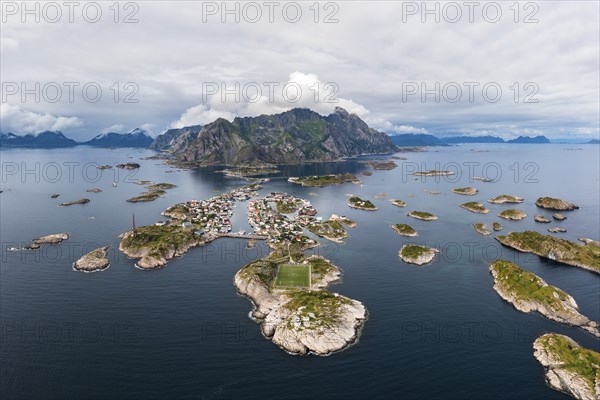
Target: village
209	216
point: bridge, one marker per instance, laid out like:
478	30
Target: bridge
238	235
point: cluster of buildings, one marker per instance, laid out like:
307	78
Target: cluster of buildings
213	215
268	221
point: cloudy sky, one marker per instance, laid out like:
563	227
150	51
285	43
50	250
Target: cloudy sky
177	64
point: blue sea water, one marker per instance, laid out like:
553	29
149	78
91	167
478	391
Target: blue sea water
182	332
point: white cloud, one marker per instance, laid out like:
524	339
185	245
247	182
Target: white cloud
113	128
299	90
369	54
149	128
15	119
7	43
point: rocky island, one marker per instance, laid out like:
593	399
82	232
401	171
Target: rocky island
248	171
467	191
404	230
155	245
481	229
155	191
332	229
558	217
422	215
589	241
54	238
150	195
434	172
161	186
94	190
497	226
474	207
95	260
560	250
324	180
71	203
551	203
569	367
287	287
530	293
541	219
382	165
506	198
513	214
557	230
415	254
398	203
129	166
305	319
357	202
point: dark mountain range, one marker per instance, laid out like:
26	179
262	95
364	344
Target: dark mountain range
529	139
410	139
291	137
176	139
46	139
136	138
471	139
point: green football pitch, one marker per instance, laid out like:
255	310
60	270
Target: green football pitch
292	276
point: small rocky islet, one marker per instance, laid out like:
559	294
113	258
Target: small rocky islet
415	254
558	217
474	207
382	165
54	238
466	191
155	190
482	229
551	203
95	260
398	203
557	230
422	215
358	203
404	230
71	203
541	219
129	166
506	198
513	214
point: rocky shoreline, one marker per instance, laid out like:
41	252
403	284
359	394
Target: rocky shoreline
415	254
466	191
474	207
513	214
551	203
506	198
157	256
95	260
298	330
324	180
424	216
569	367
560	250
528	293
404	230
